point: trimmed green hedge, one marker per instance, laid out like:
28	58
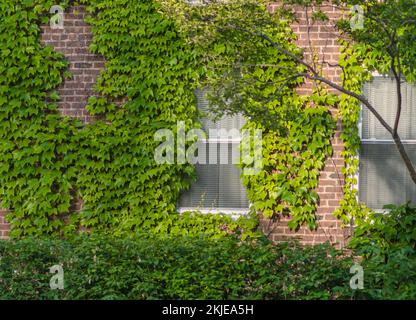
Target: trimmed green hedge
156	267
387	243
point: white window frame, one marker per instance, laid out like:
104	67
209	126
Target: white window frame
233	212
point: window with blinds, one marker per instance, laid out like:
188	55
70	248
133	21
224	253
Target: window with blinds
383	177
218	187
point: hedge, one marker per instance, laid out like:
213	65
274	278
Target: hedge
162	267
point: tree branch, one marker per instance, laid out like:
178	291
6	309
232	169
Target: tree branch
315	76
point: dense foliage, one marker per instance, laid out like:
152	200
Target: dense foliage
171	268
387	244
364	53
121	184
155	59
36	145
247	75
267	94
49	162
157	53
181	267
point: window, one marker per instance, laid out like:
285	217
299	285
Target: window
383	177
218	187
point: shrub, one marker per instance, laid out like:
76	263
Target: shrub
387	243
166	267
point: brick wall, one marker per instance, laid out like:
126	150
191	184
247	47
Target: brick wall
323	37
4	226
73	41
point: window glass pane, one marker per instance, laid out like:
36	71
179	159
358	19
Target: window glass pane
204	193
227	122
384	178
218	185
382	94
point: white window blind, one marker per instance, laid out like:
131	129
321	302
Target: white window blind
382	94
384	178
218	186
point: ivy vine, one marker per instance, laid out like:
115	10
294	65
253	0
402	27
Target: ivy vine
155	59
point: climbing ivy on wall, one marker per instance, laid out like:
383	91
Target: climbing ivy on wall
49	162
358	62
367	53
292	159
148	65
353	77
297	130
156	56
299	143
37	146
